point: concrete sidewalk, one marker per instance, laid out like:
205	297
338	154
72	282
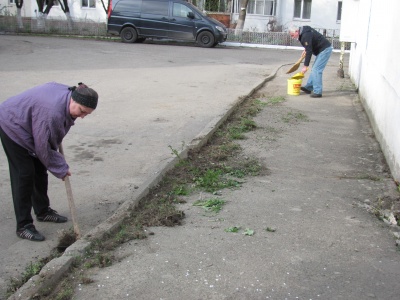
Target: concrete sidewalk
325	171
151	96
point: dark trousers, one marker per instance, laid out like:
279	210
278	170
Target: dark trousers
29	182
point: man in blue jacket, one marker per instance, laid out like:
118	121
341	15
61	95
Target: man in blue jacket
32	126
313	43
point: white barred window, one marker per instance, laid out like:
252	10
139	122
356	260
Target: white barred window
259	7
302	9
89	3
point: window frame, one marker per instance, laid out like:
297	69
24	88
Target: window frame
88	2
187	8
302	10
252	6
339	12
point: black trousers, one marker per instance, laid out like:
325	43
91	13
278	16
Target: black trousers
29	182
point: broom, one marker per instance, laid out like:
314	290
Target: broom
296	65
71	200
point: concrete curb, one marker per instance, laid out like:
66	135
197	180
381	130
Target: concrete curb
54	270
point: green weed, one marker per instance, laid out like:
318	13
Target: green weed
248	232
236	132
234	229
212	180
66	292
121	234
181	190
31	270
176	153
297	116
255	107
276	100
211	205
270	229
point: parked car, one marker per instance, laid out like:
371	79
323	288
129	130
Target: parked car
136	20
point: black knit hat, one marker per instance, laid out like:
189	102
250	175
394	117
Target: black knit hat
84	95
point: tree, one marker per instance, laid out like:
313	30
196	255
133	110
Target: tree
18	4
106	8
47	5
65	8
242	16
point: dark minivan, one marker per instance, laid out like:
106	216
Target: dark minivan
136	20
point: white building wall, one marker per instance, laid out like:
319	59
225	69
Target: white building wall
95	14
375	69
323	15
30	9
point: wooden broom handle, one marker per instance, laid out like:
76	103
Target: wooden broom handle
71	200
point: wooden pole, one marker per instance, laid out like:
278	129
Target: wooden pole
71	200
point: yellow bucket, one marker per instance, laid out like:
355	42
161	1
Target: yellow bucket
294	84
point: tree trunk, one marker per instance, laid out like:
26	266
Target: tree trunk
65	8
69	19
41	21
19	4
242	17
19	19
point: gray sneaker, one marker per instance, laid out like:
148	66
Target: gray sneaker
305	90
51	216
29	232
313	95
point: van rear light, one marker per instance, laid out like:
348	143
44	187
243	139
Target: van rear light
109	9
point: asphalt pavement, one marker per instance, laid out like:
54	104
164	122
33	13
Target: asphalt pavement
323	163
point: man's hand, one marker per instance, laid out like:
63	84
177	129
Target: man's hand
304	69
68	174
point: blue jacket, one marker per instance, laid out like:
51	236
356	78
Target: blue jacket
313	42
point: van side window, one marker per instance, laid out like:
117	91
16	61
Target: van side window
155	7
126	7
180	10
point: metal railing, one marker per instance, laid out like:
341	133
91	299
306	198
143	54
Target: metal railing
82	27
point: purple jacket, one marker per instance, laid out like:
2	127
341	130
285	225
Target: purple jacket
37	120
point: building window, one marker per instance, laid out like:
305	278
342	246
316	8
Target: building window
258	7
261	7
11	1
339	11
89	3
216	5
302	9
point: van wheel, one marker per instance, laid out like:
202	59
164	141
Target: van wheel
206	39
128	35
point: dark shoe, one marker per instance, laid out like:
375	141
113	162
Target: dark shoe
29	232
313	95
305	90
51	216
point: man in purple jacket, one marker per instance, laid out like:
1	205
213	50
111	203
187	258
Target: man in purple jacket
32	126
